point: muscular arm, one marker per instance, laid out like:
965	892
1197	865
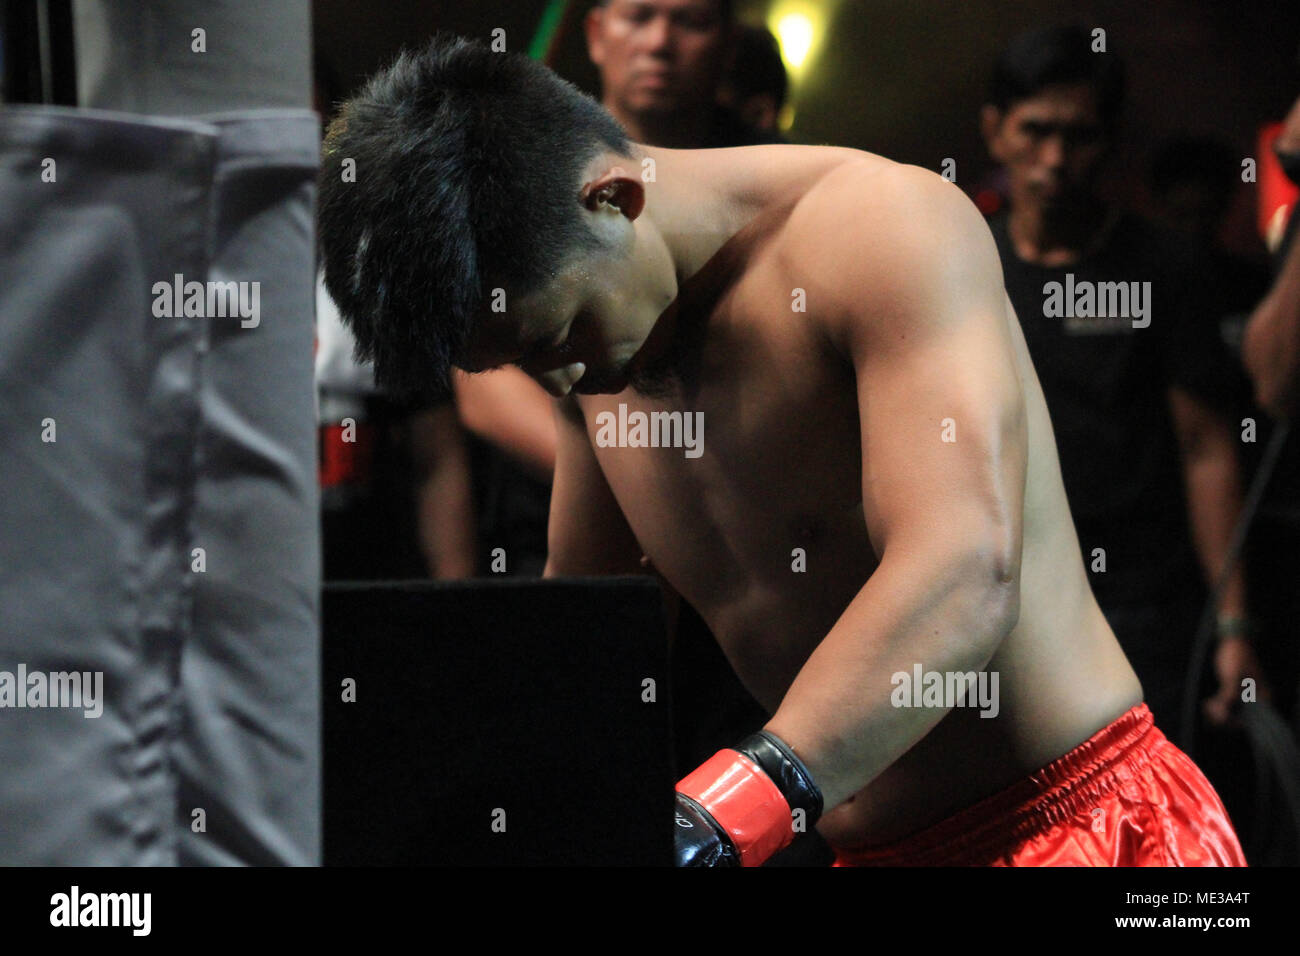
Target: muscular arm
919	311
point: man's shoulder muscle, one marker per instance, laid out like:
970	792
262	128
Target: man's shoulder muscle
871	238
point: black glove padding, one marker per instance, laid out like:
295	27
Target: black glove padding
697	838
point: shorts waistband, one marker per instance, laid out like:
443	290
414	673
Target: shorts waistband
1072	784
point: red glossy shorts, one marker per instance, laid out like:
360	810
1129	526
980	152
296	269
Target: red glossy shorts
1124	797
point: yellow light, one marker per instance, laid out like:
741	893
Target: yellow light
795	32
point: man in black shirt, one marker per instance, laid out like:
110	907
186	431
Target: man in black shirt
1131	364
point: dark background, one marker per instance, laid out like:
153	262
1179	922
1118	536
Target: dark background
906	78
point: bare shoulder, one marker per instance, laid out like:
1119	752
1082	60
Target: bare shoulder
874	198
873	235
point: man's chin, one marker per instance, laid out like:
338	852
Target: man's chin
656	105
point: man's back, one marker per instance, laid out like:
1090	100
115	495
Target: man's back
764	529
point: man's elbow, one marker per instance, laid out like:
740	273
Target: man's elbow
1276	394
995	584
981	602
1270	354
1005	603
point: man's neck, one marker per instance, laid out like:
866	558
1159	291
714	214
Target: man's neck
683	129
694	202
700	198
1055	237
697	201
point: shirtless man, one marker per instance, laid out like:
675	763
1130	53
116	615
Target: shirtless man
872	415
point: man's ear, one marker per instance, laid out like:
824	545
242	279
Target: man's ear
593	25
990	126
617	188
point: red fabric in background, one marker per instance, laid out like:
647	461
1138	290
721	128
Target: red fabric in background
1275	188
345	462
1125	797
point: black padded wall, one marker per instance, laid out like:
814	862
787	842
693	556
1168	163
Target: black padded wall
516	703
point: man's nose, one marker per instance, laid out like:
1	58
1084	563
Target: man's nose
657	35
560	381
1052	152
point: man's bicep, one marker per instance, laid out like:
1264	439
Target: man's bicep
944	443
587	533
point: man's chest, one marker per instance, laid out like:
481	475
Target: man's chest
731	475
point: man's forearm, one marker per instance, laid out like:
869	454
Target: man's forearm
946	615
1213	480
445	511
1271	344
